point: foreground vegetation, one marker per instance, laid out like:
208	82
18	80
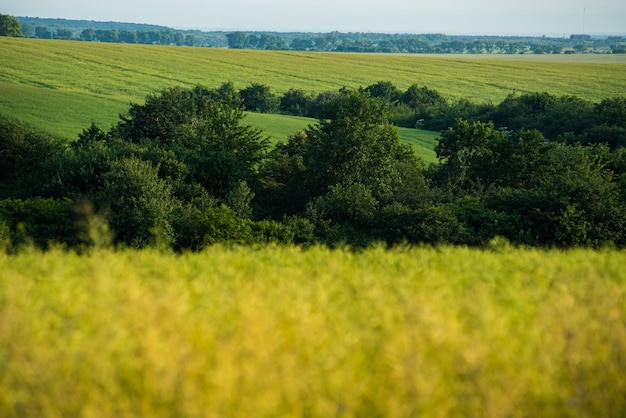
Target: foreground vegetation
279	331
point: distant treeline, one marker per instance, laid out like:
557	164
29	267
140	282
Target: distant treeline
182	171
305	41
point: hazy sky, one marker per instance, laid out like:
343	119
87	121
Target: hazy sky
500	17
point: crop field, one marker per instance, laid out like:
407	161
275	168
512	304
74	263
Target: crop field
286	332
62	86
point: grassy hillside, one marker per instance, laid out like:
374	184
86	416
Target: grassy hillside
280	127
279	332
63	86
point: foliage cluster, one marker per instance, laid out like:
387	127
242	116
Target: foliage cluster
277	331
10	26
567	119
181	171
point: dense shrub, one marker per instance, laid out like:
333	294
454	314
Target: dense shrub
140	204
38	221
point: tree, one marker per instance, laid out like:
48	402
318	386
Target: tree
63	33
295	102
357	144
326	42
42	32
258	98
28	30
384	90
190	40
612	112
302	44
23	157
10	26
464	149
237	40
88	34
128	36
420	99
140	204
574	200
352	204
204	133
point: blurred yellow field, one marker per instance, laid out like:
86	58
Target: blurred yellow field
282	331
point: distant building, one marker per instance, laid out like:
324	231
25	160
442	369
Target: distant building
580	37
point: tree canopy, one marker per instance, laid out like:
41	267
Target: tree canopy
183	171
10	26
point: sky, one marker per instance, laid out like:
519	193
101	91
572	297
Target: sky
452	17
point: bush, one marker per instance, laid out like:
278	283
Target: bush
140	204
258	98
38	221
198	228
352	204
292	230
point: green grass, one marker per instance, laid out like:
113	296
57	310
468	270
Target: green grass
286	332
280	127
63	86
423	143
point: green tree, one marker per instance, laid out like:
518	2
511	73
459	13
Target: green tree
88	34
258	98
302	44
38	221
575	200
128	36
385	90
140	204
296	102
43	32
464	149
357	144
237	40
204	133
63	33
10	26
190	40
28	30
24	156
612	112
352	204
420	99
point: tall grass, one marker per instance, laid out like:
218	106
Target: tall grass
281	331
82	82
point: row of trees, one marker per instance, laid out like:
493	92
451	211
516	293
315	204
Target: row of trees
428	43
182	171
302	41
567	119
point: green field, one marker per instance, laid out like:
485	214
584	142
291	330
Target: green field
62	86
279	127
286	332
